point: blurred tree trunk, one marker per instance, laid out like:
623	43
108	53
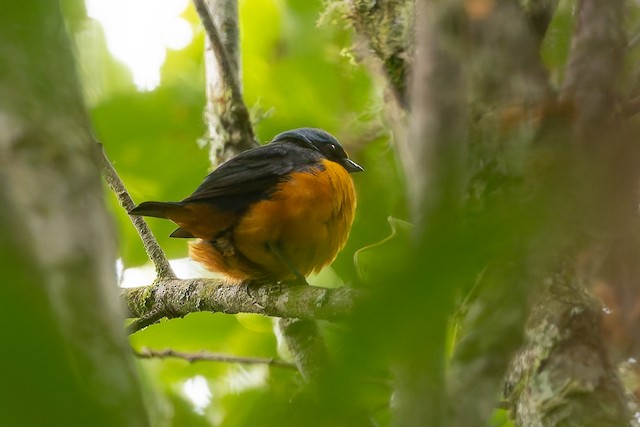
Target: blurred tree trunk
535	187
65	358
567	372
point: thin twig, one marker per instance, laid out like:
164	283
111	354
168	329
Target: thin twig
151	246
147	353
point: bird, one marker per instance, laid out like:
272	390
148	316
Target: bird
280	211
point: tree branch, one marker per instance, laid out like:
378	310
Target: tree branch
563	375
151	246
506	42
228	118
228	72
307	347
631	107
206	356
385	28
142	322
593	75
173	298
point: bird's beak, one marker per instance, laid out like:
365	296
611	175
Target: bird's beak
351	166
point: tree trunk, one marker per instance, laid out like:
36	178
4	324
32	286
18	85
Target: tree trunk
548	179
66	360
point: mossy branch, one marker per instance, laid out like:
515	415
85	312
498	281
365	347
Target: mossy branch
173	298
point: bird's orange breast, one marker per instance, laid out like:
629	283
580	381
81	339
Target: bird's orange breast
308	217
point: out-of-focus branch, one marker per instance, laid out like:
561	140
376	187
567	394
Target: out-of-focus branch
151	246
173	298
433	158
57	241
506	42
325	383
228	119
563	375
434	155
307	347
539	14
206	356
610	162
595	67
631	107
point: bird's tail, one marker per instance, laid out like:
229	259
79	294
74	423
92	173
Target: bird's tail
156	209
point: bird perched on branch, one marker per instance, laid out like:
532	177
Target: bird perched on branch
279	211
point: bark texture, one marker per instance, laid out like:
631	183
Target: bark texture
563	376
228	120
57	239
176	298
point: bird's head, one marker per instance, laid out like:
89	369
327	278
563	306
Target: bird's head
321	141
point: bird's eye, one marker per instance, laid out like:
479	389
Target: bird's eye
333	147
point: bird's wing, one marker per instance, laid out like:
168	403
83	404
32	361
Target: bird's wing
251	175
